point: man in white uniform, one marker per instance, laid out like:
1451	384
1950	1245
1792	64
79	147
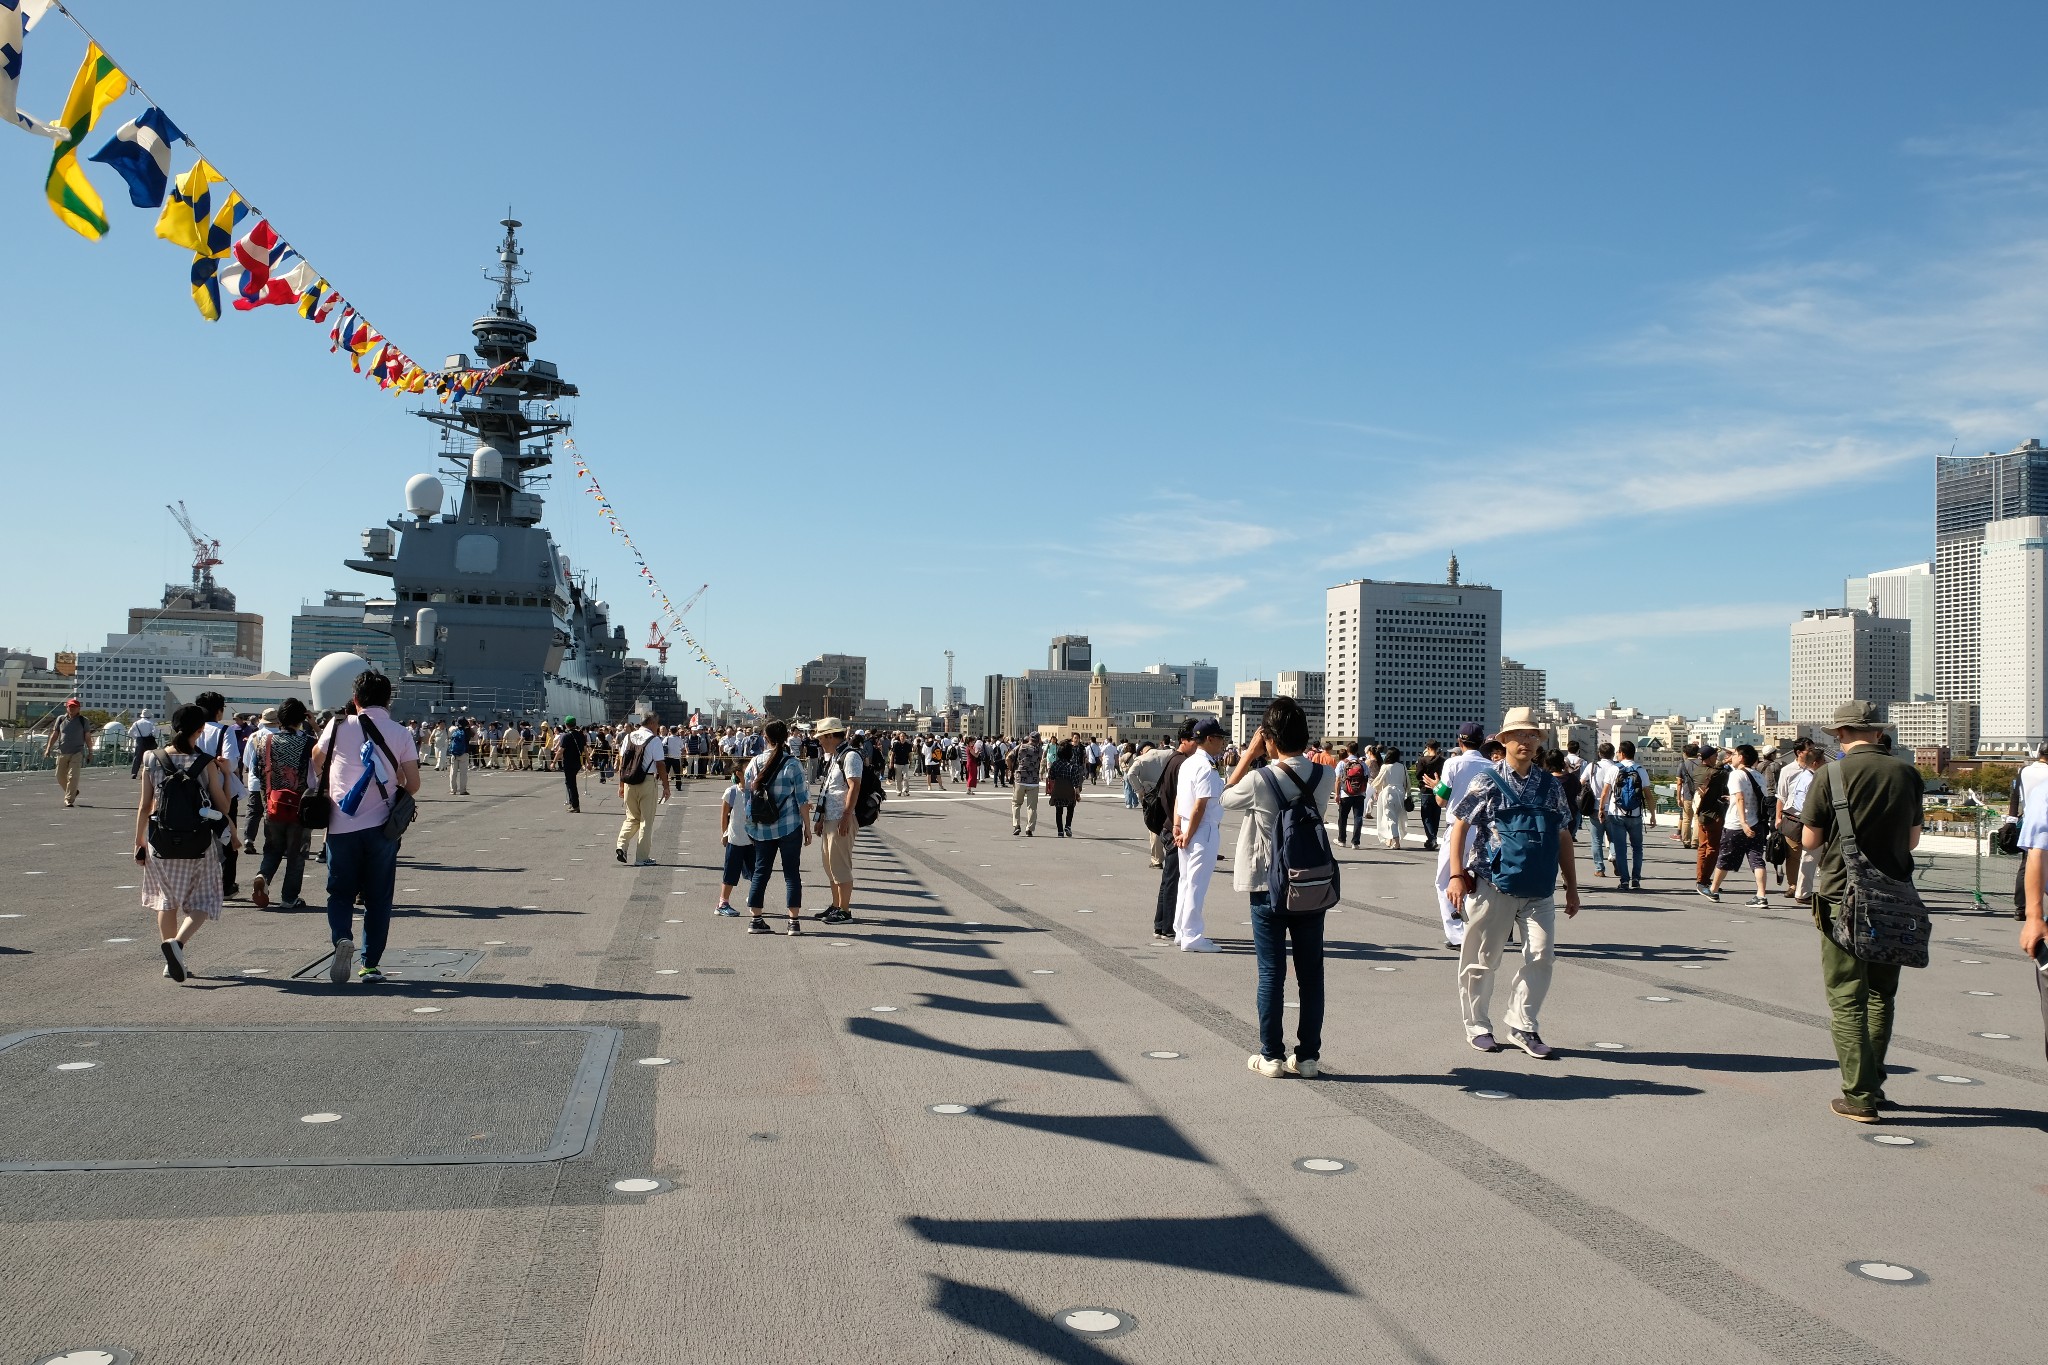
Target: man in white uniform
1197	829
1459	770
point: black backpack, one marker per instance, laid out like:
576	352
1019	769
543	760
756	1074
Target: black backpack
763	807
177	829
1303	879
867	806
632	770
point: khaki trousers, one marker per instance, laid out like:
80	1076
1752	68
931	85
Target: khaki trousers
1022	796
1490	916
641	803
68	766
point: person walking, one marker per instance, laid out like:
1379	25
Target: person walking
2033	845
460	741
1869	800
1152	784
569	748
1354	785
1795	788
221	741
143	735
1064	777
1595	777
1390	792
184	798
1743	826
1429	771
368	758
1621	810
1025	766
280	756
1292	780
778	824
1688	792
69	739
252	780
838	797
1461	769
970	764
1197	831
1710	806
641	756
1510	840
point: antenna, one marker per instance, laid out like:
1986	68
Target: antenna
509	273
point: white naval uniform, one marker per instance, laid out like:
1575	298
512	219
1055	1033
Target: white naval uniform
1459	770
1198	778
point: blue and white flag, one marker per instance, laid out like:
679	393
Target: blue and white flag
17	17
373	770
140	153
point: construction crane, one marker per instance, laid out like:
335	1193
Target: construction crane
658	642
205	551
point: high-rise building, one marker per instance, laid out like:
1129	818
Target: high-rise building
2013	636
1970	492
846	673
1905	594
1932	724
1197	680
1070	654
1307	689
1521	685
208	612
127	677
1411	662
1841	655
336	626
1048	696
924	701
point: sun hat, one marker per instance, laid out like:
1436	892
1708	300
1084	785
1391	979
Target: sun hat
1520	718
831	725
1856	715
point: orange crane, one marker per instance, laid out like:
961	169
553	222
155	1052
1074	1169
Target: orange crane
658	642
205	551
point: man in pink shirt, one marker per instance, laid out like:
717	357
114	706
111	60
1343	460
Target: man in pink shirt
368	758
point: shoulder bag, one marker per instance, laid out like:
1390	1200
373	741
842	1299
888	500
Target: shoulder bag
403	808
1881	918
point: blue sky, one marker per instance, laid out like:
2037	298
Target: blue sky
922	326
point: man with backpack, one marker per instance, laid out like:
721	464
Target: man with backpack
1862	817
369	768
849	798
1621	810
641	756
278	757
1709	807
1285	864
1026	766
460	741
1353	784
1510	839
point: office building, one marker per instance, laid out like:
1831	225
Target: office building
251	692
924	700
127	677
1070	654
207	611
1249	701
1907	595
1041	697
1933	724
1842	655
2013	636
1970	492
846	673
335	626
1411	662
1521	685
30	691
1197	680
1307	689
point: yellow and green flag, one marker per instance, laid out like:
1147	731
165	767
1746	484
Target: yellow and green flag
72	198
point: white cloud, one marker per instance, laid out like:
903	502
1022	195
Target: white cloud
1625	628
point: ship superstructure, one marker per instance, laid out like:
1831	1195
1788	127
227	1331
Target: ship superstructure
489	618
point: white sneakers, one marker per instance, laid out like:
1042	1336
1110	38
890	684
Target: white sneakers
344	958
1201	945
1304	1067
1265	1066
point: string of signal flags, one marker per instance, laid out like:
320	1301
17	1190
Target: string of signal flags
654	588
238	256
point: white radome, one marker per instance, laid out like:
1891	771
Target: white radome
423	495
333	679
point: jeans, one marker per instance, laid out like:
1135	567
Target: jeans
1599	843
254	822
285	844
142	746
1169	886
569	781
1270	934
1063	817
1350	815
791	847
1625	833
739	865
1860	999
363	862
1431	814
231	845
1130	795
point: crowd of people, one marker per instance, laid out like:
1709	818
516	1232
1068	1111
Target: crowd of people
1834	822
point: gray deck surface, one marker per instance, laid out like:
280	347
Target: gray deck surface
1686	1198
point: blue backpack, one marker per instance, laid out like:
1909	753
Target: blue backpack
1303	879
1628	790
1524	862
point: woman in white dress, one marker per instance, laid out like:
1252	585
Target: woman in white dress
1390	798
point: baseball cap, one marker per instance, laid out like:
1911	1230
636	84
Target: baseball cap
1472	732
1205	727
